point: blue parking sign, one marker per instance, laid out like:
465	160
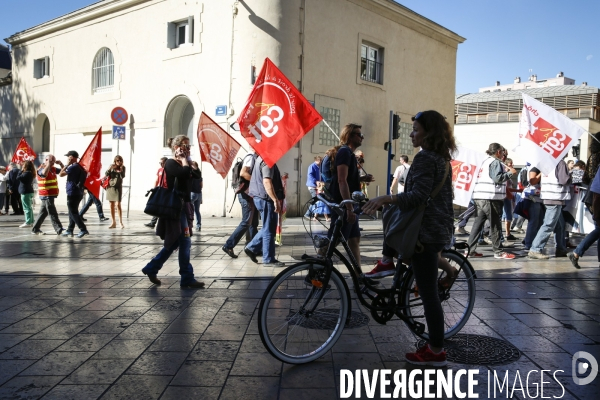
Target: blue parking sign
221	110
118	132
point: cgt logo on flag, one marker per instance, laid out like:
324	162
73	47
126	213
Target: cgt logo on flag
216	145
23	152
462	175
276	115
548	137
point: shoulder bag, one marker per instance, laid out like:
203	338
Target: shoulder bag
163	202
401	227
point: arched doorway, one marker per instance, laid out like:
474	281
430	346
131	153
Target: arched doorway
41	134
179	119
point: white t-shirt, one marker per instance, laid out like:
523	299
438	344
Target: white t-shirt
397	174
3	179
248	161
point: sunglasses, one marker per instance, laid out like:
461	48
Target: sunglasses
185	146
359	135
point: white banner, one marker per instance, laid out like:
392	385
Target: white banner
545	135
465	169
578	219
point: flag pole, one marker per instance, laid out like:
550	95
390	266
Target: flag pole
332	131
593	137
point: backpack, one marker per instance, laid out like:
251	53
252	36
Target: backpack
402	177
326	169
82	177
238	182
523	178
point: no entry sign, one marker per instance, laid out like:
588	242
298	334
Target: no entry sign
119	115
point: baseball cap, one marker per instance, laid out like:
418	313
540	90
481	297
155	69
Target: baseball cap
72	153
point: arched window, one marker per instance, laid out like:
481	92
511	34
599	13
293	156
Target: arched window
103	71
46	136
179	119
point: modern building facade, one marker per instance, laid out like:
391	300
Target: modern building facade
166	61
493	116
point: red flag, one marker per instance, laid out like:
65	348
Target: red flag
91	162
216	146
276	115
23	152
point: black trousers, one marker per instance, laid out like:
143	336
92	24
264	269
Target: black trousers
14	200
490	210
47	208
74	217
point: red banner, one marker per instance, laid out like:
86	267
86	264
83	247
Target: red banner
276	115
216	146
91	162
23	153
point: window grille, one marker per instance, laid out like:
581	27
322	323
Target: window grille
332	116
371	68
103	71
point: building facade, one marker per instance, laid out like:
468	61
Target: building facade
166	61
493	116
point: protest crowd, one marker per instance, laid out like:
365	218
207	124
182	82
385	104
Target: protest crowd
555	197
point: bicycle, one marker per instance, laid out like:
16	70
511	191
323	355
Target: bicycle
305	307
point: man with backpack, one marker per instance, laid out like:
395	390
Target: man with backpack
400	174
76	177
241	175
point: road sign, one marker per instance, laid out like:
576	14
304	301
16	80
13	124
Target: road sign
118	132
221	110
119	115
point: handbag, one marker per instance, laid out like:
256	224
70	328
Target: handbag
105	182
401	227
522	208
163	202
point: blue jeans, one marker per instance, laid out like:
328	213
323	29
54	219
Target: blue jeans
309	210
588	241
248	224
92	199
553	222
536	217
185	268
196	200
264	241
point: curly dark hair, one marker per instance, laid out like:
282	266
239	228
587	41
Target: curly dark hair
439	137
594	145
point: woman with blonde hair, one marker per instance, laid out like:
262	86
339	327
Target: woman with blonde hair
179	173
114	191
25	178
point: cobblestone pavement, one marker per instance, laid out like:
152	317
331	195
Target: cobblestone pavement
79	320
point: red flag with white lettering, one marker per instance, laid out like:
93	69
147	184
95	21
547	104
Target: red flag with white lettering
545	135
276	115
91	161
216	146
465	170
23	153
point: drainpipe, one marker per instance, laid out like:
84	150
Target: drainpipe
301	88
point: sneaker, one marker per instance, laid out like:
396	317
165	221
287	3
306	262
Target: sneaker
536	255
274	263
461	231
82	234
504	256
37	233
149	224
487	240
104	219
574	260
506	244
424	356
229	252
511	238
67	233
473	254
198	228
26	225
382	270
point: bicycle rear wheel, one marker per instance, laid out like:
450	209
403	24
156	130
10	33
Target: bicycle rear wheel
457	300
298	321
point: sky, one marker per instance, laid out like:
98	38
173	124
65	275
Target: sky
504	38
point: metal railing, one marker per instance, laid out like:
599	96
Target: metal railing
371	71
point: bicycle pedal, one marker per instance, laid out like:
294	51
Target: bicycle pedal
418	328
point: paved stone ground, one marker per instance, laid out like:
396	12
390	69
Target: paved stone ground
78	319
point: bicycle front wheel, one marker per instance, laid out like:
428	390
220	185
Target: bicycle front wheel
457	300
299	321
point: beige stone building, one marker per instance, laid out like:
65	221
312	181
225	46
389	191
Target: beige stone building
166	61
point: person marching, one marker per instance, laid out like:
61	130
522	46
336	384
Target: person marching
114	191
48	191
75	178
159	174
489	194
25	179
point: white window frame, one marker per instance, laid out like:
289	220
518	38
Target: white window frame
41	67
378	59
173	37
103	71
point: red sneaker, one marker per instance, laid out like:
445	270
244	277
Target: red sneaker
424	356
505	256
382	270
473	254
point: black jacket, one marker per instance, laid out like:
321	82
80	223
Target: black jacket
12	183
25	179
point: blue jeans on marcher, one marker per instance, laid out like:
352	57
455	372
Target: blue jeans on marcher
185	268
536	217
196	201
553	222
264	241
310	210
589	241
248	224
92	199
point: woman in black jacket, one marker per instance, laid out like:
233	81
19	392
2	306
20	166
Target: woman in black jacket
25	178
177	234
433	135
